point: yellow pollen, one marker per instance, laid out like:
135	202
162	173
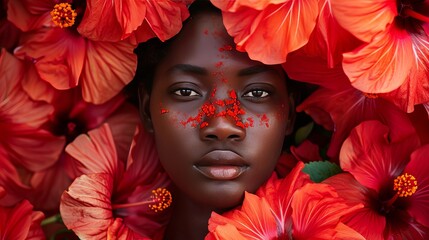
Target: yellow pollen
161	199
370	95
405	185
63	15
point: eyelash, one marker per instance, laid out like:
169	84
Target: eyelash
192	93
264	93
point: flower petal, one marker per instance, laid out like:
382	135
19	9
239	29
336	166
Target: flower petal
346	232
261	33
34	149
383	64
108	68
278	193
99	22
49	184
354	193
29	15
20	222
298	68
165	18
400	225
95	152
35	87
364	18
86	207
415	88
15	104
317	211
142	164
255	219
123	125
226	232
232	6
419	202
58	55
372	157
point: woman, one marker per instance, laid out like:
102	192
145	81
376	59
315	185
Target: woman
219	119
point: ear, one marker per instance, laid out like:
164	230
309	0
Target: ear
291	115
144	101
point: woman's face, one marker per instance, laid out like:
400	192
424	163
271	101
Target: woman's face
219	118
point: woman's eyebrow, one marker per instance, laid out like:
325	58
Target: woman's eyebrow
255	69
188	68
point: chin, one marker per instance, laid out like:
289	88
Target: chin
222	195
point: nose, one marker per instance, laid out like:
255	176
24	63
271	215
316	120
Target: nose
222	128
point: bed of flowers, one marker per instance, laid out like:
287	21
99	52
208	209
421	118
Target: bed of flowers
75	162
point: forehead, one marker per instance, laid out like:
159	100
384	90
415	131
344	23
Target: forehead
205	41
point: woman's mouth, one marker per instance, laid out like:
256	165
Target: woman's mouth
221	165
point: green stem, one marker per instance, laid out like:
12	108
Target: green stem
52	219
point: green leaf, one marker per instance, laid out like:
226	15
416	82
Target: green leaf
303	132
321	170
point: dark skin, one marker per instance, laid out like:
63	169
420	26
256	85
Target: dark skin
213	160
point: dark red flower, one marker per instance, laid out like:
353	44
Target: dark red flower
389	176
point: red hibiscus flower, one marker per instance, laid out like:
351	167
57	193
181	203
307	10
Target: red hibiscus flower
356	106
21	222
21	119
71	117
389	176
115	198
136	20
64	58
269	30
284	209
394	57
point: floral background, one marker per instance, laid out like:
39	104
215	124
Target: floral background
75	161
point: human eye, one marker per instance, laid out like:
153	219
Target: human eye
186	92
256	93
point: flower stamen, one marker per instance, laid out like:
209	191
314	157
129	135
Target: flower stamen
405	185
63	15
370	95
160	200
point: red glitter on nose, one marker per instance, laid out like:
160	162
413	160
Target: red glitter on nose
231	108
225	48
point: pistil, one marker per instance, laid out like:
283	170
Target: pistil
63	15
405	185
160	200
370	95
411	13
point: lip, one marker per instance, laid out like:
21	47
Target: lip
221	165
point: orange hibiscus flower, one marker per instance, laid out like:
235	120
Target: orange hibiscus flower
269	30
136	20
284	209
63	57
114	198
394	57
